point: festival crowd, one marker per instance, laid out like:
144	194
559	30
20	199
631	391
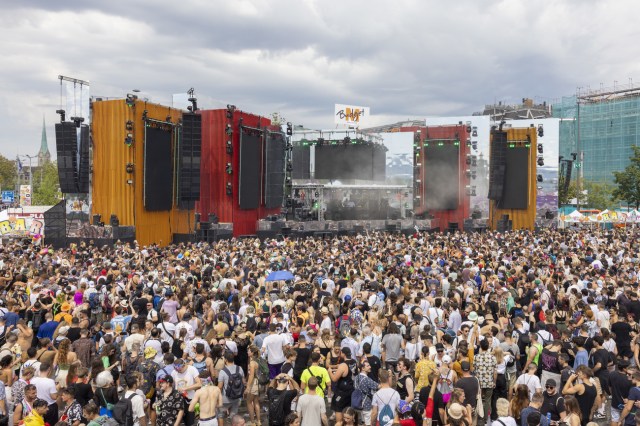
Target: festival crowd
499	329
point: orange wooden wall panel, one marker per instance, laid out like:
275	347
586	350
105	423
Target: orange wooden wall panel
110	192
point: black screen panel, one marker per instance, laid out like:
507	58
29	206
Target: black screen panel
379	164
325	166
497	164
350	162
274	170
301	162
158	170
516	182
83	169
442	177
250	155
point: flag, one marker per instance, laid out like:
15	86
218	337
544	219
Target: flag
19	164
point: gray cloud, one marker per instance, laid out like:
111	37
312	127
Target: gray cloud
404	59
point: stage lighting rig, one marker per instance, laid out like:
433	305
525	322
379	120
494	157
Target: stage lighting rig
346	140
229	130
129	168
540	161
229	189
539	178
468	127
129	125
131	99
230	110
229	169
229	147
289	129
474	132
128	140
540	131
320	141
193	100
62	114
77	120
540	149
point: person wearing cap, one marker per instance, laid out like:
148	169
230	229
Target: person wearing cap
187	380
326	322
553	401
458	415
169	404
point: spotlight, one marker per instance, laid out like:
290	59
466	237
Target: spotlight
129	168
540	149
289	166
77	120
229	189
229	147
229	169
128	141
468	159
540	131
474	133
193	100
62	114
320	141
539	178
230	111
317	194
229	130
468	127
131	100
540	161
346	140
289	129
129	125
474	145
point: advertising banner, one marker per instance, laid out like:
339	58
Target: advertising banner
350	115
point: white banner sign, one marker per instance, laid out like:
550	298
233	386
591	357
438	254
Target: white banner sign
350	115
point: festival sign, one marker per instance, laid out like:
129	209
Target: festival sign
25	195
20	223
350	115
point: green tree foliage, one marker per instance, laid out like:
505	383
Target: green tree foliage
628	181
45	185
8	174
593	195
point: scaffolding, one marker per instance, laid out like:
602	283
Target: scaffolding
599	127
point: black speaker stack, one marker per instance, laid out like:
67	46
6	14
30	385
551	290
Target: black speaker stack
497	165
67	151
189	160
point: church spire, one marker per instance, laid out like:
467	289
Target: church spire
43	155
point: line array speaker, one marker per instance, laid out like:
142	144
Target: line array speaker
190	157
67	154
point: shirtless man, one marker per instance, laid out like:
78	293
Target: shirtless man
25	336
210	399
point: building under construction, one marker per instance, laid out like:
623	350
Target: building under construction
527	110
598	129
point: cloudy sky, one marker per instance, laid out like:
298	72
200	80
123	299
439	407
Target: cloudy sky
403	58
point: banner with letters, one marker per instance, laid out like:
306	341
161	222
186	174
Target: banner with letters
350	115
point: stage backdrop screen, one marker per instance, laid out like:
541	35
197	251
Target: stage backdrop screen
158	170
516	182
301	161
442	176
250	154
349	162
274	170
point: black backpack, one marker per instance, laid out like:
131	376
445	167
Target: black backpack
235	385
123	410
277	410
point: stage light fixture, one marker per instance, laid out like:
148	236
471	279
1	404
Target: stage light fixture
289	166
468	159
229	147
468	173
474	133
129	125
289	129
229	169
129	168
317	194
62	114
468	127
128	140
540	149
131	100
230	111
468	143
540	178
77	120
474	145
346	140
229	189
540	131
540	161
229	130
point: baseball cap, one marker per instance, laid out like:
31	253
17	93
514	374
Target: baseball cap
465	366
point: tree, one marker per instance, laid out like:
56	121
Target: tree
45	187
628	181
8	174
593	195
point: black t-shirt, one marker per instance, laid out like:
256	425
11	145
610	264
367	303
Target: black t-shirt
634	308
401	386
141	306
83	392
620	387
549	361
302	360
622	331
553	404
471	387
284	405
600	356
73	334
438	403
375	364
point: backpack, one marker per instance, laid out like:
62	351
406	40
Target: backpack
523	341
235	385
94	301
344	327
158	301
276	408
385	416
544	341
132	364
263	372
149	370
357	396
417	411
123	411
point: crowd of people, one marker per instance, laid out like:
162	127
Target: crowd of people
500	329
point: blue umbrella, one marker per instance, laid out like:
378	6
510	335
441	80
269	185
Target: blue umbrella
280	276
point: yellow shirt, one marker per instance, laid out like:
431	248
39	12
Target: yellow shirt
423	369
316	371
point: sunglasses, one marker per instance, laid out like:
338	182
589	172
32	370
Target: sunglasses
550	387
440	351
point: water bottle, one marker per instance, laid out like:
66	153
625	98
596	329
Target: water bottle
548	418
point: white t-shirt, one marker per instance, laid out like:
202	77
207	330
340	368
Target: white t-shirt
186	379
30	363
183	324
532	382
273	345
167	331
134	338
46	388
137	405
326	324
504	421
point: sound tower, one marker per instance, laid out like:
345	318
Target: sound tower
250	171
274	170
55	220
497	165
67	154
158	170
301	162
83	169
189	160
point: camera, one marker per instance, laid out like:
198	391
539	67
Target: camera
283	380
